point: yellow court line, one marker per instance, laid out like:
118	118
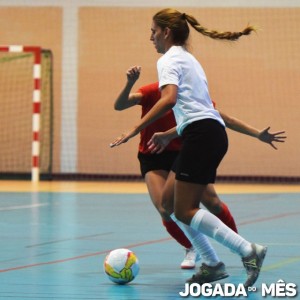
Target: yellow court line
73	186
282	264
133	187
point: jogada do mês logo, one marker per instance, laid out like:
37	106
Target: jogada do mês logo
274	290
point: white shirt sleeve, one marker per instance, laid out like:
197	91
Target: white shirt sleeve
168	73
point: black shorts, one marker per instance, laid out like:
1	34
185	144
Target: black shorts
204	146
162	161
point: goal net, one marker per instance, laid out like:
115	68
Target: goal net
26	112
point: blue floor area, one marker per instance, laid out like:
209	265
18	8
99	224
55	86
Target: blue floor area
53	245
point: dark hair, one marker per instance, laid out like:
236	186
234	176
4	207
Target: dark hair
177	22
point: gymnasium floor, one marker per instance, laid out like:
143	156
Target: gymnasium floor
55	235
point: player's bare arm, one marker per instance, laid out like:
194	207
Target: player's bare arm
166	102
127	99
263	135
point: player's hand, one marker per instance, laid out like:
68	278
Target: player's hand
269	137
133	73
158	142
125	137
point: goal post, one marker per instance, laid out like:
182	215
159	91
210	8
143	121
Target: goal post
26	102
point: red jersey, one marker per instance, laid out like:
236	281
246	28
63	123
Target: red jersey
151	94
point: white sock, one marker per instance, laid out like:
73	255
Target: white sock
211	226
200	243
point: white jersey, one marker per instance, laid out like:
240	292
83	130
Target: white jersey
177	66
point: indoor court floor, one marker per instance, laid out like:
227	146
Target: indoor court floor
55	236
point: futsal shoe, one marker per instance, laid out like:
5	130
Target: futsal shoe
208	274
190	258
253	263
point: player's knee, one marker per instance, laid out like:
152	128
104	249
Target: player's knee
182	216
167	204
163	212
214	204
216	208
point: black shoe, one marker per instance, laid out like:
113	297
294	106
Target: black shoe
253	263
208	274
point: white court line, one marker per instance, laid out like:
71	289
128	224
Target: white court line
22	206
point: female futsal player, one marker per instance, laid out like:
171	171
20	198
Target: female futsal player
184	88
155	168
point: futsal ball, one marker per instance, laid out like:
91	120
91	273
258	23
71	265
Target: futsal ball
121	266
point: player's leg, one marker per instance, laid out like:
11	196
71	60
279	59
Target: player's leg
213	203
212	268
186	195
210	200
154	169
205	144
168	193
191	255
187	211
155	181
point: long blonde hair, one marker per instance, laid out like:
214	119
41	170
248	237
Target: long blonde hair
178	22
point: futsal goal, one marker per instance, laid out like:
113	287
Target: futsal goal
26	97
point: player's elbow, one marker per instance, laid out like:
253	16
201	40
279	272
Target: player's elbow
118	107
170	102
173	102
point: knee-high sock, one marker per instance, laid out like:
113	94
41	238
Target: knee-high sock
177	233
211	226
200	243
226	217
